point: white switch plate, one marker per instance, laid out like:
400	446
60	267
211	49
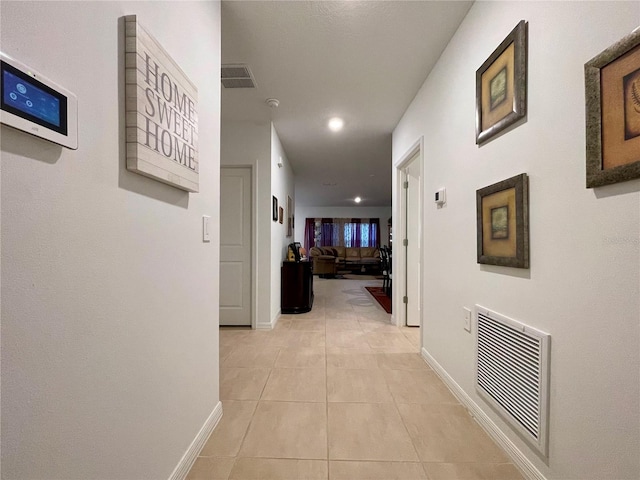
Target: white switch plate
467	319
206	235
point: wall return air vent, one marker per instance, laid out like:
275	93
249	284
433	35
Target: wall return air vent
512	374
237	76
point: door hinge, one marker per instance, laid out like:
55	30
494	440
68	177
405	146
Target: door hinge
405	242
405	299
405	184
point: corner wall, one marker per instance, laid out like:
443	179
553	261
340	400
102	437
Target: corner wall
584	281
249	143
282	185
110	297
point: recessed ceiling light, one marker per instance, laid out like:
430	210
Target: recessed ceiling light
336	124
357	199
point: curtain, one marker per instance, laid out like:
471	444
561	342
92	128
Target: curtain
375	232
347	232
309	234
362	232
327	233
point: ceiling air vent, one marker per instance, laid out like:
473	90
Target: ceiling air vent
237	76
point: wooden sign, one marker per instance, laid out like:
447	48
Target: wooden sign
161	112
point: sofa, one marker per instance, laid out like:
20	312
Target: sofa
327	260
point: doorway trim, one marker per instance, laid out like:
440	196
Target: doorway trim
399	211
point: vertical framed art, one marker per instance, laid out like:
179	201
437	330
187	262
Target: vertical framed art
161	112
501	86
274	208
612	92
289	216
503	223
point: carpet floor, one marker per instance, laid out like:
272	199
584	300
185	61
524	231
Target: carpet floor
381	297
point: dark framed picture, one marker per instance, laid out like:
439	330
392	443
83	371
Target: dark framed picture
280	214
503	223
501	86
612	92
274	208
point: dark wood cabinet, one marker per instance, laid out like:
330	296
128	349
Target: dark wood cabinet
296	287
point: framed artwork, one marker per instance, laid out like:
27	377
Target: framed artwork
274	208
163	149
501	85
503	223
280	214
612	92
289	216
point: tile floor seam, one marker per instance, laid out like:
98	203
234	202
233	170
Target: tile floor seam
244	435
326	394
413	443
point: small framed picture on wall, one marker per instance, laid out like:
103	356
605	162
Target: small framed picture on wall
501	86
503	223
274	209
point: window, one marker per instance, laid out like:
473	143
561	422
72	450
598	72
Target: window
348	232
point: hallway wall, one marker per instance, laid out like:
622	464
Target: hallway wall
584	281
109	296
249	143
282	185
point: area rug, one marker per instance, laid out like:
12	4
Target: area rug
381	297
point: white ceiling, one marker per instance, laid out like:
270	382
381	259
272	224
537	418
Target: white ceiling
362	61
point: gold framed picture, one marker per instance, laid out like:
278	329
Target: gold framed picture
503	223
612	92
501	86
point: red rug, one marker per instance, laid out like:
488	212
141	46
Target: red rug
381	297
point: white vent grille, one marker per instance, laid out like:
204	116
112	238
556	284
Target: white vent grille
512	373
237	76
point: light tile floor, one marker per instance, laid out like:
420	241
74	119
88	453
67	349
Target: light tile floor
339	393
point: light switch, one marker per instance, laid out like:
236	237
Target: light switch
467	319
206	235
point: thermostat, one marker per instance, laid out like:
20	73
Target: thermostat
34	104
440	197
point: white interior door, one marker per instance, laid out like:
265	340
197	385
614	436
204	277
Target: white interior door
235	246
413	226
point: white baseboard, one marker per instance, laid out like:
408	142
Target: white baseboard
527	468
189	457
269	326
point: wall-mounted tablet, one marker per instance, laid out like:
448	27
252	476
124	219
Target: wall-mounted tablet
34	104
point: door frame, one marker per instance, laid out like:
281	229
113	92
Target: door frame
254	229
399	225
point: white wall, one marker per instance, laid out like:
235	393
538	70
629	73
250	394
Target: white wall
249	144
383	213
258	145
110	298
583	284
282	185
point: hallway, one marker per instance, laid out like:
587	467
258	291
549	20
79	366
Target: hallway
340	394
